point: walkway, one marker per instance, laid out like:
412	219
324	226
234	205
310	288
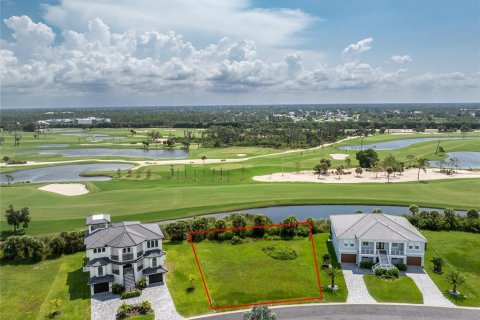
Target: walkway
357	290
431	294
105	305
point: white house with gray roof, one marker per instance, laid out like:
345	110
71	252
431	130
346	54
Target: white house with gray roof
122	253
382	239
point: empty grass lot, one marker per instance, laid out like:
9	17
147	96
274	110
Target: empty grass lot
239	274
460	251
401	290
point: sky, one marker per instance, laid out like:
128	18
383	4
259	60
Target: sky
93	53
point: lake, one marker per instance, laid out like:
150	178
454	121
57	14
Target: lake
53	145
64	173
466	160
398	144
105	152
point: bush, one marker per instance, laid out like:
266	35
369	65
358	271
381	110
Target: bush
387	274
366	264
259	313
236	240
280	252
23	248
401	266
142	283
177	231
303	231
130	294
117	288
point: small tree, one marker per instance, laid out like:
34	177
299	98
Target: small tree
438	264
389	171
10	178
191	282
259	313
339	171
358	171
413	209
422	163
455	279
6	159
327	260
17	217
377	210
203	159
56	305
472	214
332	273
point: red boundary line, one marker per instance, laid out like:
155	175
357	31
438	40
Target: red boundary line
190	238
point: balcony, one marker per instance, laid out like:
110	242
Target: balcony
366	251
127	256
114	257
397	252
139	254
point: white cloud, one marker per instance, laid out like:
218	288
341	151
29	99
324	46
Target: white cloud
401	59
359	47
208	20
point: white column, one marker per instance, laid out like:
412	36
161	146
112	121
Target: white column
374	247
389	248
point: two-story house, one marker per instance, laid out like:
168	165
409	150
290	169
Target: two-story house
382	239
122	253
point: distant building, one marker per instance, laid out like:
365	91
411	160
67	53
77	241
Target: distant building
122	253
91	121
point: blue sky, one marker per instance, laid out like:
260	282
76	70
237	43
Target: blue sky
239	51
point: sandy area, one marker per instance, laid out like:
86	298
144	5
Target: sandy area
66	189
241	154
366	177
339	156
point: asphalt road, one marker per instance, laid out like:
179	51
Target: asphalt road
363	312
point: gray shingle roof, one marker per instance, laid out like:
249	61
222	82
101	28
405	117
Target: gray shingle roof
102	279
97	262
154	253
125	234
98	218
154	270
374	226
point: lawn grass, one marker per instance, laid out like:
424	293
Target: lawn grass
148	316
27	289
460	252
401	290
244	274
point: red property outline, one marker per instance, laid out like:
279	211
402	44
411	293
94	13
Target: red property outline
320	297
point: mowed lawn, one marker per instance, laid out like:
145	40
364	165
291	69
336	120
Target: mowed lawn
242	274
460	251
401	290
27	289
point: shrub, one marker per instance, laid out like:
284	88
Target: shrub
366	264
130	294
280	252
117	288
393	273
23	248
259	313
142	283
144	307
303	231
177	231
236	240
380	272
438	264
387	274
401	266
327	260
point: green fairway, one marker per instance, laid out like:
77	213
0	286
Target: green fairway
401	290
460	251
27	289
239	274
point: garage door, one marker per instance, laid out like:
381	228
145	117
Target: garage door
414	261
155	278
100	287
349	258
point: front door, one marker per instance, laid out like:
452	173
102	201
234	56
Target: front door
380	245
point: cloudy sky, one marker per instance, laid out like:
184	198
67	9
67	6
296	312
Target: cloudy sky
192	52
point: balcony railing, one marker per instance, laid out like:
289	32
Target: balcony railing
127	256
366	251
139	254
397	252
114	257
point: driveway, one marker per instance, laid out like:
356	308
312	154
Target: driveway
357	290
360	312
431	294
105	305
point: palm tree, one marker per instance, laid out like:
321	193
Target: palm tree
438	264
413	209
10	178
421	164
339	171
56	304
455	279
332	273
389	171
327	260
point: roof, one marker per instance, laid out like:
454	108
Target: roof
154	270
98	262
98	218
154	253
102	279
124	234
374	226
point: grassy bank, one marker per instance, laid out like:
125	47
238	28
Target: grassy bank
459	250
27	289
237	274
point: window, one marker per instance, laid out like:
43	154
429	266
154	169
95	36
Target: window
100	271
139	267
410	245
352	244
98	250
394	245
349	243
152	244
365	243
115	271
417	246
345	243
127	250
154	262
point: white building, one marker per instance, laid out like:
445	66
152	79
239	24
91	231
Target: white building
122	253
377	238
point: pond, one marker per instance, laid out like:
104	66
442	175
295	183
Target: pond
104	152
466	160
398	144
64	173
277	214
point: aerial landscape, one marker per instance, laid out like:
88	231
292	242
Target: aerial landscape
246	159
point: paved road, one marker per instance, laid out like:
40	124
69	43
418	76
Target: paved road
364	312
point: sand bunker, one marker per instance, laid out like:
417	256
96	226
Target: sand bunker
66	189
339	156
366	177
241	154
